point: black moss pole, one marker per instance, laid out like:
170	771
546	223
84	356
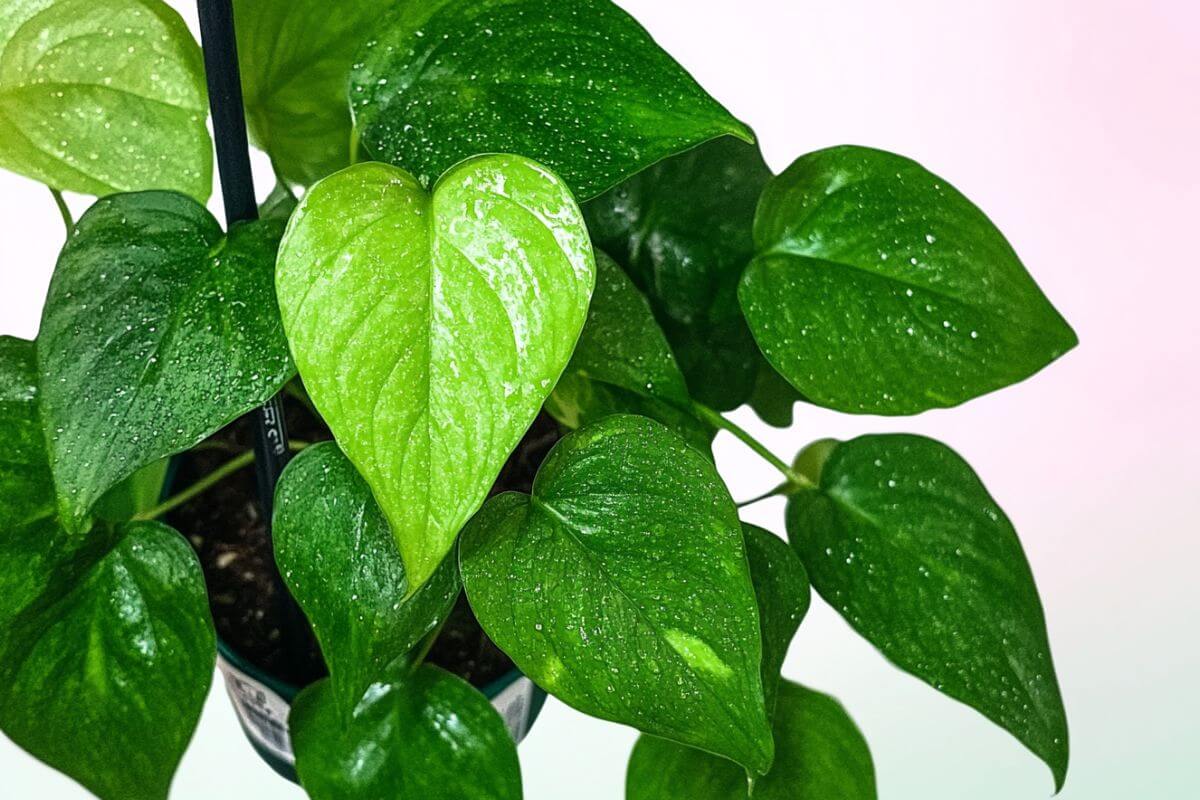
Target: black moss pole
237	188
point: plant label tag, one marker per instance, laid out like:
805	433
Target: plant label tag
262	712
514	703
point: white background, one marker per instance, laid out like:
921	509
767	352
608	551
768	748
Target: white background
1074	124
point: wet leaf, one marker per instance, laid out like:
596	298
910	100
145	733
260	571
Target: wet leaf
157	331
903	539
878	288
820	755
430	330
623	364
781	589
579	86
106	652
26	488
340	562
101	96
295	58
621	586
430	735
682	229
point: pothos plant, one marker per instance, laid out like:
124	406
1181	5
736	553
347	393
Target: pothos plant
507	206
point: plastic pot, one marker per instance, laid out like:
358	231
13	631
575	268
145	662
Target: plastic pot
262	703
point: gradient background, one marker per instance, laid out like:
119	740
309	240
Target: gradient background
1075	124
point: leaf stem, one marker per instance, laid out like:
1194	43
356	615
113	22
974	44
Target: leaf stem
783	488
718	421
68	220
201	486
204	484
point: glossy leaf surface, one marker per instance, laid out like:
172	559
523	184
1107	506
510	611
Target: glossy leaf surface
430	330
683	230
878	288
339	560
106	652
820	755
102	96
903	539
623	364
430	736
579	86
783	595
621	585
295	58
157	331
26	488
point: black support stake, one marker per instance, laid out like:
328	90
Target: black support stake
237	187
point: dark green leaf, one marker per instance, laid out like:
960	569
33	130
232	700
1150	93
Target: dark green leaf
878	288
621	585
157	332
623	364
26	488
579	86
106	654
101	96
781	588
429	330
280	204
904	540
820	755
682	229
340	561
773	398
429	736
295	58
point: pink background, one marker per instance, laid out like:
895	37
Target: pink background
1076	125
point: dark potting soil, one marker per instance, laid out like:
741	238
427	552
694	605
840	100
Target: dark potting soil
250	608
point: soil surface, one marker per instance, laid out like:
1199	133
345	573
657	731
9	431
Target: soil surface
251	609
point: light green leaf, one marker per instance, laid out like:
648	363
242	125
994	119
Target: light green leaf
101	96
339	559
621	585
781	588
430	735
157	331
903	539
682	229
820	755
579	86
623	364
295	58
139	492
878	288
430	330
106	652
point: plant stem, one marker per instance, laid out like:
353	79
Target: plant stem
204	484
717	421
62	209
427	643
780	489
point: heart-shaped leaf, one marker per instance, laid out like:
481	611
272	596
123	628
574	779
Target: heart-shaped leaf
781	588
157	331
429	330
903	539
621	586
101	96
106	652
579	86
819	755
623	364
339	559
295	58
683	230
428	735
878	289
